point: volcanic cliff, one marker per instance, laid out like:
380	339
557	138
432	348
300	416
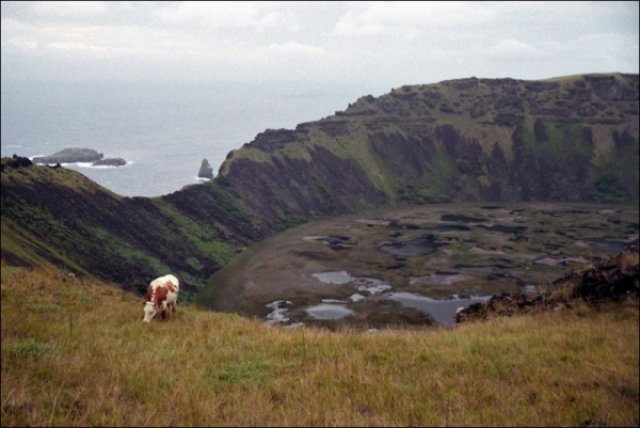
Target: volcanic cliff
564	139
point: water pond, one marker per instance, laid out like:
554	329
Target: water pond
329	311
443	311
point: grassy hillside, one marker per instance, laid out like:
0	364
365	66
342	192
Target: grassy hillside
460	140
75	352
55	216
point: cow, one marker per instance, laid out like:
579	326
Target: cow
162	296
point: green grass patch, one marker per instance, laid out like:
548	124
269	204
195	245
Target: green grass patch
123	249
203	236
50	307
245	372
530	143
30	348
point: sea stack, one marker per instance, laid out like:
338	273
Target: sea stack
205	169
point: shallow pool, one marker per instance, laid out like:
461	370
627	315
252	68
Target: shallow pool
442	311
329	311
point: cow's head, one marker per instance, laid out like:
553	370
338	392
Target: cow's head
150	310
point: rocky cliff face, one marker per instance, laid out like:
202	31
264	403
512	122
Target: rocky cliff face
569	139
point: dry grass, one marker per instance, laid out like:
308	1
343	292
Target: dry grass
75	352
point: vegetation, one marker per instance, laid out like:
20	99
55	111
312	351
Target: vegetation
608	184
60	217
75	352
497	140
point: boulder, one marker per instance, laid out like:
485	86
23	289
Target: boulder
70	155
205	169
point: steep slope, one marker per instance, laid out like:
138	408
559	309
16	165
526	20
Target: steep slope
58	216
572	139
569	139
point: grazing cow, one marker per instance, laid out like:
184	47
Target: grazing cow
162	296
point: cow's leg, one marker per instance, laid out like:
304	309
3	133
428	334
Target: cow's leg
163	308
172	310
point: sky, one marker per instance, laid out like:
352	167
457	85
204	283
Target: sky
393	43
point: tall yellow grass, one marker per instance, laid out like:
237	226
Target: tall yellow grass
75	352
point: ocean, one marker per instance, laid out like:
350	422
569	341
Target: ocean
163	130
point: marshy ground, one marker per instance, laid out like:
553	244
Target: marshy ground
417	265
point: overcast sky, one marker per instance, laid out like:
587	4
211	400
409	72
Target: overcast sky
393	43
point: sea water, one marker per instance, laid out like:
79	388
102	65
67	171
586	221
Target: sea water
162	129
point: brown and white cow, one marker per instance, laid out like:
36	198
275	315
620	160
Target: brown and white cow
162	296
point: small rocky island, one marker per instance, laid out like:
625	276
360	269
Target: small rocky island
110	162
75	154
205	170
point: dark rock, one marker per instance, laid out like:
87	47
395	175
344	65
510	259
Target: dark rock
464	84
110	162
205	169
70	155
337	242
334	128
411	247
613	279
395	224
19	162
540	132
608	88
12	163
461	218
273	139
506	229
478	110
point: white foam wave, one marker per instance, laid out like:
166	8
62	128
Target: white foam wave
92	166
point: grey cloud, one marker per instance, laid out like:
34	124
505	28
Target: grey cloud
395	43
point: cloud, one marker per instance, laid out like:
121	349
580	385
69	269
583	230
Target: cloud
293	48
410	18
513	50
79	46
68	8
221	15
392	42
21	43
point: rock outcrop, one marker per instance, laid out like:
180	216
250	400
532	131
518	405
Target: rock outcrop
16	162
205	170
612	279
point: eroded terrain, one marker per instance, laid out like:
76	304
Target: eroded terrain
416	265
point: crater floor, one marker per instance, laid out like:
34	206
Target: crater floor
416	265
